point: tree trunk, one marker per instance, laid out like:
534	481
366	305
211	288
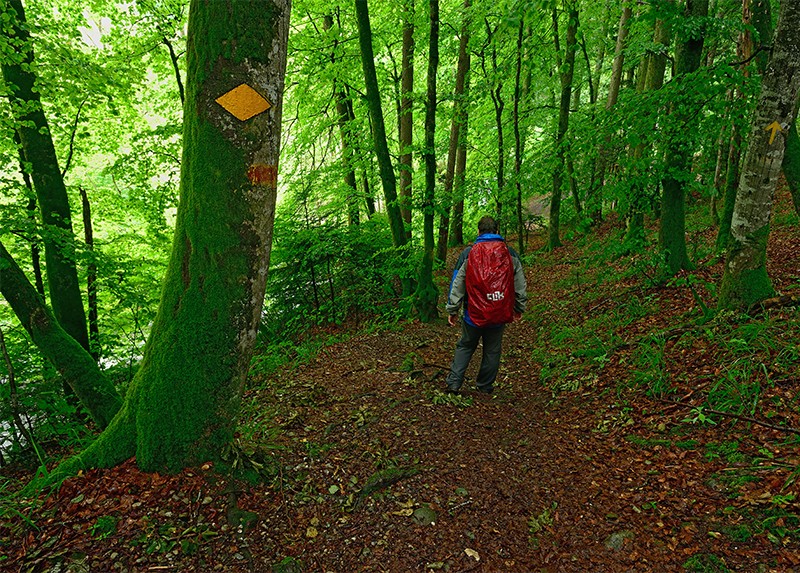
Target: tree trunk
745	279
651	79
388	178
457	222
594	201
73	363
345	132
518	136
456	128
91	277
672	233
426	294
182	406
406	123
51	194
496	93
567	68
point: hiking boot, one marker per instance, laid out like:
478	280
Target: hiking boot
488	390
451	390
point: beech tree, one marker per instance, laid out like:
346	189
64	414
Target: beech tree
37	149
672	232
745	280
182	405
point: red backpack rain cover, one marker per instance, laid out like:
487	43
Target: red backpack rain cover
490	284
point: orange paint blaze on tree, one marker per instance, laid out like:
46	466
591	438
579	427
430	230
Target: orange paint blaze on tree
260	174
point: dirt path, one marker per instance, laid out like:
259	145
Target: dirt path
376	470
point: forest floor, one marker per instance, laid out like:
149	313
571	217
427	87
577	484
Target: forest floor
598	452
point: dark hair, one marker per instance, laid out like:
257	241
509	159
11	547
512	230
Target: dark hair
487	225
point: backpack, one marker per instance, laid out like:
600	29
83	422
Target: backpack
490	284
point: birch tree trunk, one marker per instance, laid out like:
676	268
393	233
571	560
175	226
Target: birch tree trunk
745	280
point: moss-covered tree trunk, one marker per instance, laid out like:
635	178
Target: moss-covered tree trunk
38	150
567	71
77	368
672	233
426	294
745	279
182	406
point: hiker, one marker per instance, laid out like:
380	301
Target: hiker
489	281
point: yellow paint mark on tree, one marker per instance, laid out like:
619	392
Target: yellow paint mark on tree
775	127
243	102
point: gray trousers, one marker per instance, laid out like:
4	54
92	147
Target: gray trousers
490	361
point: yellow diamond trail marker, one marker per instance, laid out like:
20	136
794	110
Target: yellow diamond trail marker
243	102
775	127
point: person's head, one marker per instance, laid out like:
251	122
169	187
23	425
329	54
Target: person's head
487	225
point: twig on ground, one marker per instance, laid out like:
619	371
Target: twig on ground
789	429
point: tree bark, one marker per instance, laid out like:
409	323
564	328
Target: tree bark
567	68
791	162
426	294
672	233
91	277
518	136
70	359
406	119
594	200
388	178
457	125
182	406
344	121
745	280
51	194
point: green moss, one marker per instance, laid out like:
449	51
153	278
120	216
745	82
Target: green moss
745	281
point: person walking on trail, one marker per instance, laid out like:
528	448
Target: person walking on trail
489	283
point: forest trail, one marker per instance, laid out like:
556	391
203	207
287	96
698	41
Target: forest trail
567	467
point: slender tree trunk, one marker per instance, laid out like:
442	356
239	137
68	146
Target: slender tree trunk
406	123
73	363
496	93
426	294
594	201
567	68
345	132
672	233
182	406
457	126
518	136
457	222
51	194
651	78
91	277
388	178
745	280
35	253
